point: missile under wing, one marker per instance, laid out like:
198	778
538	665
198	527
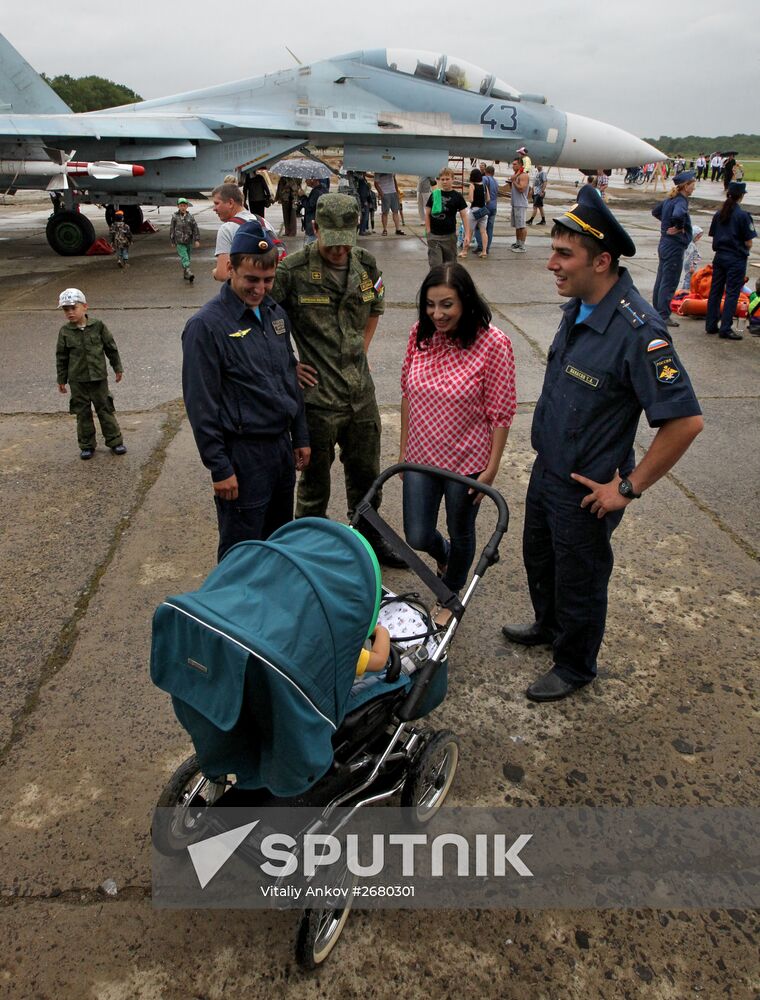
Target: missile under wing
395	110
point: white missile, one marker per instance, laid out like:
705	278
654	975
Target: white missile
101	170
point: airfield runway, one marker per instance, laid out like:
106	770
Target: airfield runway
90	548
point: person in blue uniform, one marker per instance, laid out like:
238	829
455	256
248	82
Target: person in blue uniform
732	231
611	358
242	396
675	236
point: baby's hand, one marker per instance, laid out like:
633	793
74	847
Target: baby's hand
62	388
119	376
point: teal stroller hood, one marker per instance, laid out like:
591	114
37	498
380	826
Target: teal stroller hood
261	659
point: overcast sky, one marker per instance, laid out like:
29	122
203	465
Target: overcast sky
648	66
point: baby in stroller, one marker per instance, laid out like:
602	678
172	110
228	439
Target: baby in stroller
261	664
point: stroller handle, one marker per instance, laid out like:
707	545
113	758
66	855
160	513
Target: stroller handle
490	553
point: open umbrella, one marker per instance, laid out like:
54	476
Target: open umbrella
300	167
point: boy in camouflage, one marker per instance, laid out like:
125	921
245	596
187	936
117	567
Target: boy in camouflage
83	345
184	235
121	237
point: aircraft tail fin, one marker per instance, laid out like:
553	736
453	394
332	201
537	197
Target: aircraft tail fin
22	90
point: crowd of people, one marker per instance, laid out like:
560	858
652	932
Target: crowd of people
276	378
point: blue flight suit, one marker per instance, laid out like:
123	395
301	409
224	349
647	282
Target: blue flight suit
600	374
670	212
729	266
246	410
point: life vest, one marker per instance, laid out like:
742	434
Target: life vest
694	302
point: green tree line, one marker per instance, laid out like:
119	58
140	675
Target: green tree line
747	146
90	93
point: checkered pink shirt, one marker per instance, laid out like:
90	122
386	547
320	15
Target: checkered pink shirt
456	397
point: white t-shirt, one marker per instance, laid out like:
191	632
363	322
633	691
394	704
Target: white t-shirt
386	183
227	230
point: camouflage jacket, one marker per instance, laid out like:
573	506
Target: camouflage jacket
183	228
121	235
80	355
328	322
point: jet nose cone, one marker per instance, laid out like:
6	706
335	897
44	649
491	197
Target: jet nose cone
593	145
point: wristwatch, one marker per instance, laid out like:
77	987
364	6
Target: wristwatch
625	489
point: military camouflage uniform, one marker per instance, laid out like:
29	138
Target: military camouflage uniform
81	361
328	328
183	232
121	236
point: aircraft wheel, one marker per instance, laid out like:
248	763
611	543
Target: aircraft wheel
70	234
133	216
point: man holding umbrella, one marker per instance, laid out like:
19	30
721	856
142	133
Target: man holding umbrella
315	174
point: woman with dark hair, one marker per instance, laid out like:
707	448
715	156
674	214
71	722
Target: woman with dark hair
675	236
476	195
458	401
732	232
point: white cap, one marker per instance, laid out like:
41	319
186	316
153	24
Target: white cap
70	297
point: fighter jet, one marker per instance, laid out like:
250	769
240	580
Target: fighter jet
391	110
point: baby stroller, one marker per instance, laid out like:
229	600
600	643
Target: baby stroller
261	666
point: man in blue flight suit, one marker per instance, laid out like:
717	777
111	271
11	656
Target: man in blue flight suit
611	358
242	396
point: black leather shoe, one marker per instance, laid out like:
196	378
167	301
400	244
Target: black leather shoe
551	687
526	635
385	554
731	335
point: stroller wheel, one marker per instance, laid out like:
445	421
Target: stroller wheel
319	929
188	792
430	776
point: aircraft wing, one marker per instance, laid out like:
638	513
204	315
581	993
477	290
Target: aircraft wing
105	126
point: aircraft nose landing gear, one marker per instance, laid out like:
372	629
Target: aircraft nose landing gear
70	233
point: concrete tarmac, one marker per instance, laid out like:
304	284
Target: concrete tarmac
86	742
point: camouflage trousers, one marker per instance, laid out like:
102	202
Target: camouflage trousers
85	396
358	437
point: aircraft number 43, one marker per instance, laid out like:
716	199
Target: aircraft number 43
503	117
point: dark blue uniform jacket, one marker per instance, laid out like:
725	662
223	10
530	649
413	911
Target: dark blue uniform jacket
731	237
600	375
674	212
239	378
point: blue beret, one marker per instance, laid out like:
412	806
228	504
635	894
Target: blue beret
252	238
591	217
684	177
737	188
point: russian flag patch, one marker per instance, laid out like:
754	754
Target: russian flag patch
655	345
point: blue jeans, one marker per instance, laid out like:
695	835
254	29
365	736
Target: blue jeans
489	230
422	501
476	214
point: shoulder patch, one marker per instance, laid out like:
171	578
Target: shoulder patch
666	370
656	344
626	309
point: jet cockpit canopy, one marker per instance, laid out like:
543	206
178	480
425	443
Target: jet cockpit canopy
450	71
